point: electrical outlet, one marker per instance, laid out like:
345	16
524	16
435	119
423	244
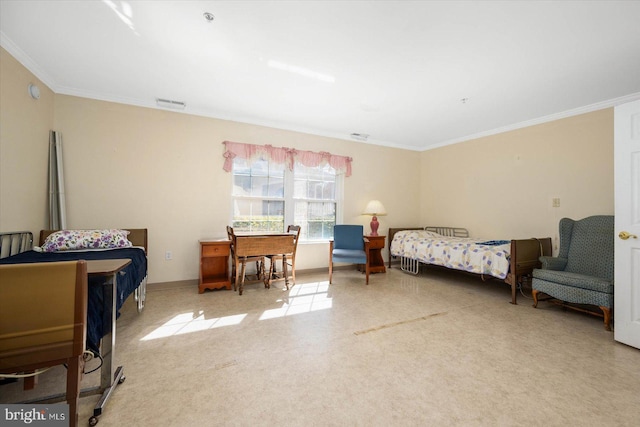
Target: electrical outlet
555	202
168	255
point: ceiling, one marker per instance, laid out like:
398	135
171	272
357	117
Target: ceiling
410	74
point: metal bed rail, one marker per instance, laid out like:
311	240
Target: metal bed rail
15	242
409	265
449	231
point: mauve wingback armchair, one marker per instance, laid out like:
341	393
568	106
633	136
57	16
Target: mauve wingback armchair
582	273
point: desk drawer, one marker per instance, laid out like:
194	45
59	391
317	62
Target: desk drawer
211	250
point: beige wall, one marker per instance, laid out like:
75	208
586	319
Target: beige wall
128	166
502	186
24	144
135	167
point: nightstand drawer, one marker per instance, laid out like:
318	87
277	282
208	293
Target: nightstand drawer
215	250
376	242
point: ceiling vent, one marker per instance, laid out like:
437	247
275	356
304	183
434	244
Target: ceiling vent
360	136
168	103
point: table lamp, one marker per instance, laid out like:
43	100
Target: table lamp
374	208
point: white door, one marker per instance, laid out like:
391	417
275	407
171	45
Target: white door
627	194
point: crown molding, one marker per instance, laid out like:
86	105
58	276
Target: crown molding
34	68
544	119
27	61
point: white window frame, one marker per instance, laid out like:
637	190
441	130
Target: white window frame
289	202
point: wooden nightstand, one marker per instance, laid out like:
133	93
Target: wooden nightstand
214	264
376	263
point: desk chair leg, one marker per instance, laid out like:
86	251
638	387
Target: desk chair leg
241	287
236	282
268	280
273	271
262	274
285	272
74	376
234	276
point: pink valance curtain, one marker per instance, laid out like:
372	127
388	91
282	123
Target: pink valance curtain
288	156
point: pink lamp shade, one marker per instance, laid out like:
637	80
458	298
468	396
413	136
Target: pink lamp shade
375	209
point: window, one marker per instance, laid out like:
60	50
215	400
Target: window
314	200
267	196
258	196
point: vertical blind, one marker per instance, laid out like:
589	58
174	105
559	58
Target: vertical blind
57	210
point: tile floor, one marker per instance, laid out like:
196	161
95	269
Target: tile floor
438	349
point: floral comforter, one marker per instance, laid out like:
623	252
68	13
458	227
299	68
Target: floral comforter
472	255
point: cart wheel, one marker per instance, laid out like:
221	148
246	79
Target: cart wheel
93	421
121	380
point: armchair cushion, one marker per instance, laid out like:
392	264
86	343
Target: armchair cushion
352	256
576	280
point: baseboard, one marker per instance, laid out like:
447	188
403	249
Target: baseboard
325	270
193	283
163	286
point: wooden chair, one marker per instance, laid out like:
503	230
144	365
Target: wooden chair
275	275
239	264
350	246
43	315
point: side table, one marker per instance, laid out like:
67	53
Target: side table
214	264
376	263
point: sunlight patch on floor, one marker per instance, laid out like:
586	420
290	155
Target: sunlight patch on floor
302	298
192	322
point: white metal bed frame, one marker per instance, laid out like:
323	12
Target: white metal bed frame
15	242
412	266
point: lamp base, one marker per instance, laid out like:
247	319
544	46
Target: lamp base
374	226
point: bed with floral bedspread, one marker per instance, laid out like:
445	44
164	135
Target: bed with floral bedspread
509	260
459	253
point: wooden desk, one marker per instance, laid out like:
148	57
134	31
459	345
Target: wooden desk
249	245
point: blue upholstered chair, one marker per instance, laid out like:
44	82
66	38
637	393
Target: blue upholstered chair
349	246
582	273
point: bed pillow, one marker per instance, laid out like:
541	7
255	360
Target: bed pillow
68	240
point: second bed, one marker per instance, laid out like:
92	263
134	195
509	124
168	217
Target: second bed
508	260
